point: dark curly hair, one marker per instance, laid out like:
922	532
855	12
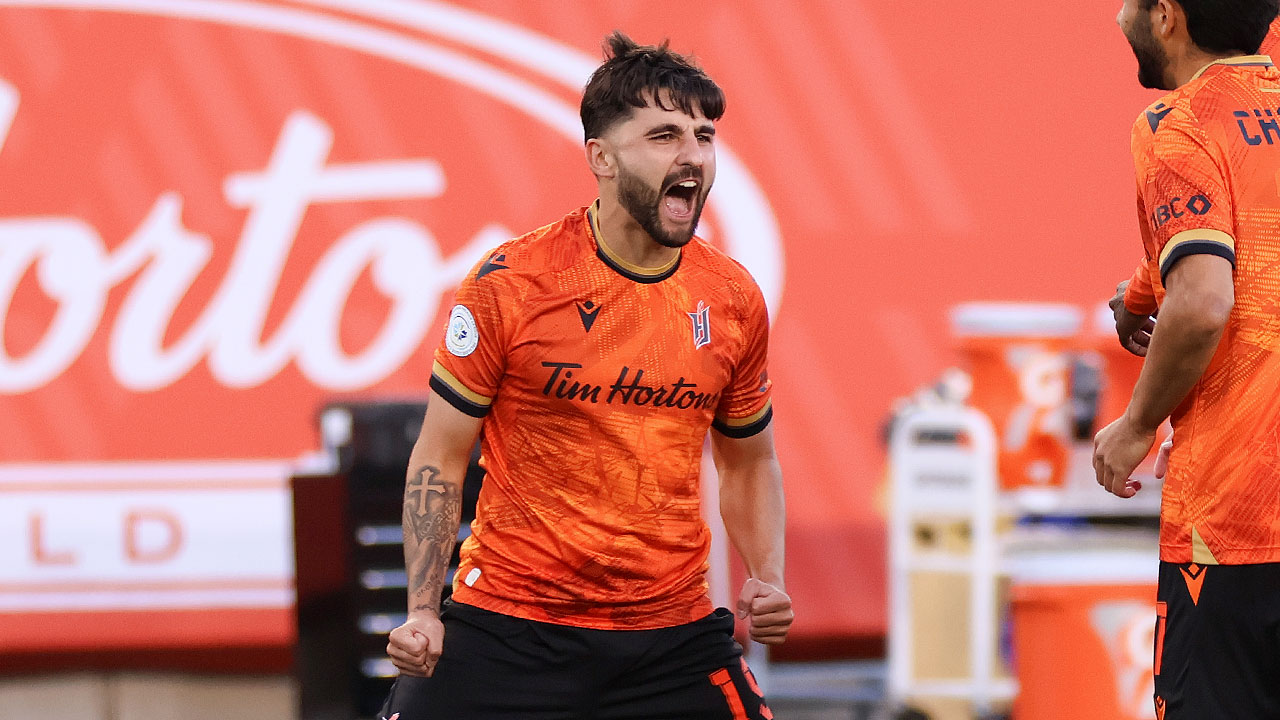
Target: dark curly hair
1226	26
633	75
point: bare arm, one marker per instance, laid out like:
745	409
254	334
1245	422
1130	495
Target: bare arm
432	512
1198	302
433	499
754	512
751	501
1200	294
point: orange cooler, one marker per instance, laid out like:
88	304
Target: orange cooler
1018	355
1083	632
1122	367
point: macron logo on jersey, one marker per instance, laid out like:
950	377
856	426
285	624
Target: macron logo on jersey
587	312
1156	114
493	263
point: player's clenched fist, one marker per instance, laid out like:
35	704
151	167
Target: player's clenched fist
769	610
415	646
1117	450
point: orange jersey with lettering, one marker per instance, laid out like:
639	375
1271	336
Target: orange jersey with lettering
1208	161
598	381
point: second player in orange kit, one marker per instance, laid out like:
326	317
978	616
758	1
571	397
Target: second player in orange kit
1207	158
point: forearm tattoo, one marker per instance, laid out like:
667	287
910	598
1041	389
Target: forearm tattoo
432	510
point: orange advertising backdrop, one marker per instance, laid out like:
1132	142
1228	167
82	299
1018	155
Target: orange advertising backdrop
216	215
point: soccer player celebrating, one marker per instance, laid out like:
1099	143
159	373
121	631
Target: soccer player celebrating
596	353
1207	157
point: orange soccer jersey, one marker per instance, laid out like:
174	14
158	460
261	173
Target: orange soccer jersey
1208	163
598	382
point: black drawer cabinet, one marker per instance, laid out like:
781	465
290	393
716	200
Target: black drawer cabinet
349	557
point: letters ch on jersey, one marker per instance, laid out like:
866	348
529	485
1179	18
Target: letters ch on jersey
1261	126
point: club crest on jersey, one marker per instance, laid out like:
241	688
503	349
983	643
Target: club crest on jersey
701	325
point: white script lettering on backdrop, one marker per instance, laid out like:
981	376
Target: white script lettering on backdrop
74	268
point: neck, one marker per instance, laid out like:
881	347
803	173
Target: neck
1187	65
624	237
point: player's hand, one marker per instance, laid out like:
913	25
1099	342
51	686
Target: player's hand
415	646
1162	458
1117	450
1134	331
769	610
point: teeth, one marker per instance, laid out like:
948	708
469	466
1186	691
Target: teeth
689	184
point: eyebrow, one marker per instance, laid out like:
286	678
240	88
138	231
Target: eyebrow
705	129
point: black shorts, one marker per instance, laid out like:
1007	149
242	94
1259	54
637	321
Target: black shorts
502	667
1217	654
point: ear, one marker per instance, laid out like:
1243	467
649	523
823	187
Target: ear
600	158
1167	17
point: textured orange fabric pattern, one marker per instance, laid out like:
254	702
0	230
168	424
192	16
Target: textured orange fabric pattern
598	382
1207	158
1140	295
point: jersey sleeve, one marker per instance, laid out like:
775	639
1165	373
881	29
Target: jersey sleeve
1185	195
745	407
471	358
1140	294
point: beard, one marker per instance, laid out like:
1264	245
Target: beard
644	204
1152	59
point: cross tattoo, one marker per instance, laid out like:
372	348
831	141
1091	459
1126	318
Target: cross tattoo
429	486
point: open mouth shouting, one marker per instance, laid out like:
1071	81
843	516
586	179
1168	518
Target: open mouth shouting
668	212
680	199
